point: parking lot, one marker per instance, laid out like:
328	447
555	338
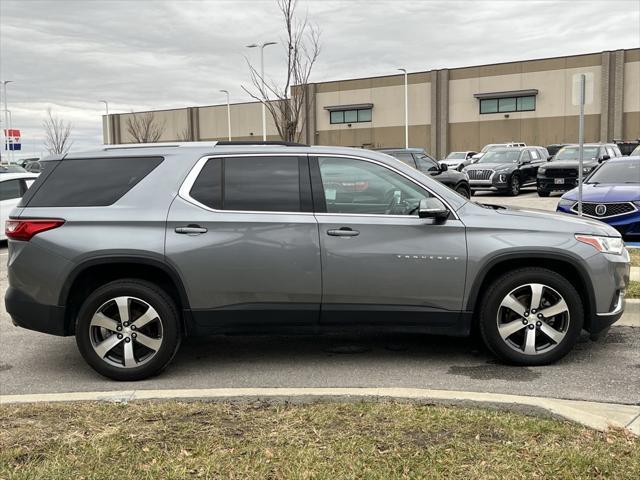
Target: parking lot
608	370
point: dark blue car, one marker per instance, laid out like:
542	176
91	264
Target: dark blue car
610	194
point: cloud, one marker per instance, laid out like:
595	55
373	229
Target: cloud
152	54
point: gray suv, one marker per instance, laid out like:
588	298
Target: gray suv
133	248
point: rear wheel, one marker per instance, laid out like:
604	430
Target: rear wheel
128	330
531	316
514	186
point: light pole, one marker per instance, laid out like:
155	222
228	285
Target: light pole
106	105
264	114
7	123
406	109
228	113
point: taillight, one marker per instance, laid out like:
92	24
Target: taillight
25	229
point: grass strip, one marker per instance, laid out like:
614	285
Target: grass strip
373	440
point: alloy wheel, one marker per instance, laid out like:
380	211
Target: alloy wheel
533	319
126	332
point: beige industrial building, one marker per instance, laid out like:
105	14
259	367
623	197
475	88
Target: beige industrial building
449	109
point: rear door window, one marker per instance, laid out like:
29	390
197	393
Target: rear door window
91	182
259	184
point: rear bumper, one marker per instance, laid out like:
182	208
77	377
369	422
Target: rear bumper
25	312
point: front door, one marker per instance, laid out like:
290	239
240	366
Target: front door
244	239
381	263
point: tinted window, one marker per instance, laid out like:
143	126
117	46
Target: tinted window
427	164
10	189
620	171
263	184
405	158
207	189
89	182
526	156
360	187
500	156
573	153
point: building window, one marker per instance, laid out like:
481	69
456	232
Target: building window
508	104
350	116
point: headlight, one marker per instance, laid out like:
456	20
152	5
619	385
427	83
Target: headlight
613	245
502	177
566	203
542	169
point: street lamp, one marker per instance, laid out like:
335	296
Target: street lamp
106	105
406	109
228	113
264	114
7	123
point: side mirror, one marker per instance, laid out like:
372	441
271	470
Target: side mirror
549	158
433	208
444	167
604	158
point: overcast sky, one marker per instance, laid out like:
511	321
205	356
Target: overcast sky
154	54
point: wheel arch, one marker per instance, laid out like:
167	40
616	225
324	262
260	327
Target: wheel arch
97	271
563	264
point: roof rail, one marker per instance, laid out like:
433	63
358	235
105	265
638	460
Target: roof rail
159	144
262	142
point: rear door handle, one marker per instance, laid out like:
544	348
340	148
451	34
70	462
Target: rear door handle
191	230
343	232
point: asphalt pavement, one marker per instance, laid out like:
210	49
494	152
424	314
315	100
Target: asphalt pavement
605	371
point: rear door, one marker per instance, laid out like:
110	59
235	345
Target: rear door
243	236
381	264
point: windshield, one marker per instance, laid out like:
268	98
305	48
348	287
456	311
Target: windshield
457	156
617	172
500	156
572	153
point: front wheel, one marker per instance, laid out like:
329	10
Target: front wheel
128	330
464	191
514	186
531	316
544	193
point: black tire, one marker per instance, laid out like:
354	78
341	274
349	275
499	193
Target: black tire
156	298
464	191
514	186
544	193
500	288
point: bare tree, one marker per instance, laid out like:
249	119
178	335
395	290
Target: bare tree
185	135
145	127
284	102
57	134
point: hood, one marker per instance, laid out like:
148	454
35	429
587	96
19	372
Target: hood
542	220
606	193
569	164
491	166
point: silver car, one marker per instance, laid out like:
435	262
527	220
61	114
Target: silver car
133	248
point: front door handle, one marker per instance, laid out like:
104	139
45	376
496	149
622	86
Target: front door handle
343	232
191	230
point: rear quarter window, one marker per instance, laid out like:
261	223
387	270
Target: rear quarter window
92	182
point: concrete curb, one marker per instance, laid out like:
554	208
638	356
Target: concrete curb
635	274
631	317
599	416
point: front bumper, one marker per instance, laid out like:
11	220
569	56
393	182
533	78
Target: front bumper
550	183
25	312
628	225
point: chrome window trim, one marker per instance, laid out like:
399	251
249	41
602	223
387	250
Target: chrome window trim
187	184
574	209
